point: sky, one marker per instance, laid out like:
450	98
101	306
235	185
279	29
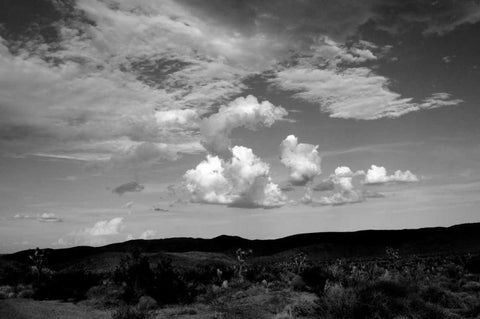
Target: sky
146	119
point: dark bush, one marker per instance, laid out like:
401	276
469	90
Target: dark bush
382	299
65	286
168	286
473	265
440	296
315	278
128	312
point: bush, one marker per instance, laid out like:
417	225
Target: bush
382	299
65	286
440	296
146	303
338	302
128	312
315	278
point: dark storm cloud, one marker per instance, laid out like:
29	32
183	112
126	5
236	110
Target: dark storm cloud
128	187
325	185
431	17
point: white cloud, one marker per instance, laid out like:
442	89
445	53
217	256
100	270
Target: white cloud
245	112
302	160
148	234
182	117
378	175
345	192
242	180
106	227
353	93
49	218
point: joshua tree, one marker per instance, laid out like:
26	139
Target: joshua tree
299	261
38	259
242	256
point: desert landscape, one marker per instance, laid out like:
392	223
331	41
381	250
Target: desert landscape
239	159
424	273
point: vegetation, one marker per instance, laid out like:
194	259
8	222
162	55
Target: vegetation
242	285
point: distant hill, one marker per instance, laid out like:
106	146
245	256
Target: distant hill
319	246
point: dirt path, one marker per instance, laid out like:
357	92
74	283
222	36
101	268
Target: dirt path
31	309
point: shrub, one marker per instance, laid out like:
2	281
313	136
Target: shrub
147	303
440	296
382	299
128	312
65	285
315	278
338	302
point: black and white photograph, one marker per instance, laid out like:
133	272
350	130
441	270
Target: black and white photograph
239	159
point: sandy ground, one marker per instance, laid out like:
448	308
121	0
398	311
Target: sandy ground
31	309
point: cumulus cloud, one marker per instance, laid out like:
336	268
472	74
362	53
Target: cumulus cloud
245	112
148	234
378	175
106	227
242	180
302	160
345	192
128	187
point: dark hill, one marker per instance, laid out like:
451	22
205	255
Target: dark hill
320	246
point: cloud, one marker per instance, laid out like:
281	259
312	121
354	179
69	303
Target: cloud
242	181
353	93
49	218
325	185
128	187
143	154
432	17
245	112
106	227
44	217
148	234
302	160
127	72
346	193
378	175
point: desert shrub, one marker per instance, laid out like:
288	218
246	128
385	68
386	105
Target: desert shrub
382	299
15	275
106	296
473	265
146	303
135	274
6	292
298	283
305	309
432	311
128	312
338	302
168	286
260	272
437	295
65	285
315	278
